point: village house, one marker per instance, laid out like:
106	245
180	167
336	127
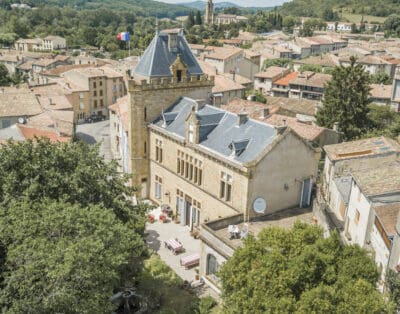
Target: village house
232	59
308	85
26	113
281	87
381	94
372	64
104	85
263	80
345	158
48	43
10	61
229	19
325	61
119	130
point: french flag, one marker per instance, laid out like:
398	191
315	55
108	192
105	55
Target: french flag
124	36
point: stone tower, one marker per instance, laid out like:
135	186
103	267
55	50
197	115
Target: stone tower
209	17
167	70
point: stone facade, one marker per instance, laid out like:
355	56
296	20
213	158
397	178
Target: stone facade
148	99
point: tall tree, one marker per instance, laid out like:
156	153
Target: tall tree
346	100
5	78
190	21
199	20
298	270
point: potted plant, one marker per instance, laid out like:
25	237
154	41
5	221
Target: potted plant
150	218
197	276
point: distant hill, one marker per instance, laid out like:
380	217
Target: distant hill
140	7
201	5
316	8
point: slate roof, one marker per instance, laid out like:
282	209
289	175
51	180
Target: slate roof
219	130
157	58
343	185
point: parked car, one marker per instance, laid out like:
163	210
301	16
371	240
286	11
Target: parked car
94	118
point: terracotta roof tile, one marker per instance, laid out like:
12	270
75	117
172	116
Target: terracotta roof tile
387	215
284	81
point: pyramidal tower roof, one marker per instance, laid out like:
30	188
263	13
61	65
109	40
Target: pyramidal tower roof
162	53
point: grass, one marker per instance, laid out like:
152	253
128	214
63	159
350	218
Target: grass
356	18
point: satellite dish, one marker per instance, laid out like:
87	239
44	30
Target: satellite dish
259	205
21	120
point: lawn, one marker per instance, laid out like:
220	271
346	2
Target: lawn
356	18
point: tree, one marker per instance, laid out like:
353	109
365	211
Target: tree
190	21
381	78
64	258
199	20
71	171
5	78
280	62
346	100
67	226
298	270
310	67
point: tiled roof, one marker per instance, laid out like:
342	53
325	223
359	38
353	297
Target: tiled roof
387	215
157	58
57	71
31	133
97	72
362	148
224	84
18	102
223	53
311	79
325	60
271	72
380	91
219	129
381	180
284	81
306	131
294	105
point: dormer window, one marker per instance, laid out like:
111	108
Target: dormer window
238	147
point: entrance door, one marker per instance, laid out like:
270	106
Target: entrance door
188	210
306	190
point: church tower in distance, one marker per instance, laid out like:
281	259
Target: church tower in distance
209	17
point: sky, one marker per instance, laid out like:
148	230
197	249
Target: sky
243	3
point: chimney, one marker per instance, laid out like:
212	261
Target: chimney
336	126
284	122
242	118
51	101
265	113
233	72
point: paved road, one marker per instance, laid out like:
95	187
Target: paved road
98	132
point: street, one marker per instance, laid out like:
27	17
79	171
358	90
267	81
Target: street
98	132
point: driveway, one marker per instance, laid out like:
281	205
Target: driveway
98	132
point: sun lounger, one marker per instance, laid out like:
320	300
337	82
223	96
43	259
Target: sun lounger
174	245
190	260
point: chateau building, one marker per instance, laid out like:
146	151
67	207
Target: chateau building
166	71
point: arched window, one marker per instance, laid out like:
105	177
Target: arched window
212	265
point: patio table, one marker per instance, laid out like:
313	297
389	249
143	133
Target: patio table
174	245
190	260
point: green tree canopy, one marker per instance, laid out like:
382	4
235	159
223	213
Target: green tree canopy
346	100
63	258
5	78
71	171
298	270
69	235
